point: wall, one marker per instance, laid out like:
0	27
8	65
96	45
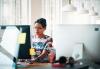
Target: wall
36	9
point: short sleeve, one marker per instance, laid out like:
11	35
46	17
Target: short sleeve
48	43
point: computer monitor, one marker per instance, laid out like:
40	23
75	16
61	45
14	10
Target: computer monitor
68	36
14	42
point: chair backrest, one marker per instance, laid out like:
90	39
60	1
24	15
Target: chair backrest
78	51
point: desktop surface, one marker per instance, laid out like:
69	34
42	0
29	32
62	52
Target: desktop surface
36	65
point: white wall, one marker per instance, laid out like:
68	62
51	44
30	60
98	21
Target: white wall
36	9
67	36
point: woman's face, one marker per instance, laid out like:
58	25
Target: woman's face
38	29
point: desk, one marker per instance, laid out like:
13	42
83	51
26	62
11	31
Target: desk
34	66
48	66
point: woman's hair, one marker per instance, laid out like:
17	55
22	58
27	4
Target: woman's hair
41	21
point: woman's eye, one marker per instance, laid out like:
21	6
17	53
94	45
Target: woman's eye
38	28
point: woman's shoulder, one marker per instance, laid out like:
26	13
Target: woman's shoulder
49	38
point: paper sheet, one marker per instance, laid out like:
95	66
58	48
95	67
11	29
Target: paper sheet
22	38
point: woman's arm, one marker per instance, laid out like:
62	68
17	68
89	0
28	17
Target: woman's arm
46	49
44	52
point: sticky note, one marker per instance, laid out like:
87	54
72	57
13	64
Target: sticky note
22	38
32	51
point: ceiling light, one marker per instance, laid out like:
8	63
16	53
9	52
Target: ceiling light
69	7
83	10
92	12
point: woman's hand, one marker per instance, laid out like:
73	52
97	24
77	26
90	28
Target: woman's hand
44	52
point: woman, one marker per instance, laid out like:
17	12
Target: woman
41	42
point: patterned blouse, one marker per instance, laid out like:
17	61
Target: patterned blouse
41	44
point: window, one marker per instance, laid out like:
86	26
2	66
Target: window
15	12
51	10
